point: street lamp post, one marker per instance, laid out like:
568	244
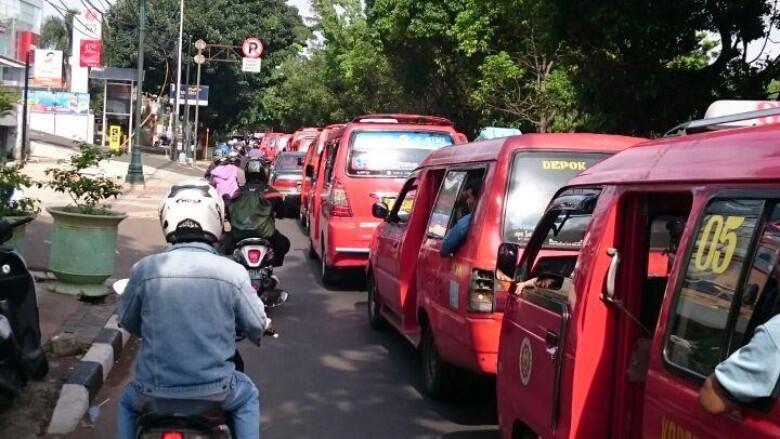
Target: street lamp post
199	60
177	99
186	130
135	172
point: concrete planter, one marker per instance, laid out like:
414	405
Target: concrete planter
17	242
83	250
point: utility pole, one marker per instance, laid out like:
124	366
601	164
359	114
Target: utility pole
175	142
199	59
187	133
135	172
23	151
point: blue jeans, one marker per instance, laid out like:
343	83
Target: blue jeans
242	402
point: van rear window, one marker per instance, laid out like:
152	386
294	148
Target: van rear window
534	178
392	153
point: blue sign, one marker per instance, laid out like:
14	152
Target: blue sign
193	95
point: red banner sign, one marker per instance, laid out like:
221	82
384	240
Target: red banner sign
91	53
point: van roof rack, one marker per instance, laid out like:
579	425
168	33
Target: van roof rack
702	125
414	119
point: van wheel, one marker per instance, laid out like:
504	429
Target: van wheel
375	318
312	253
329	273
435	371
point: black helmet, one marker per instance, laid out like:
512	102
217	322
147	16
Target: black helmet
255	170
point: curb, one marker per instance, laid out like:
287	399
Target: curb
87	378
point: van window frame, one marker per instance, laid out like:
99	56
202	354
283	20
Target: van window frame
465	167
508	183
770	198
351	143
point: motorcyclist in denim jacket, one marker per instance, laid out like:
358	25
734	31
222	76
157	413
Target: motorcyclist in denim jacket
186	304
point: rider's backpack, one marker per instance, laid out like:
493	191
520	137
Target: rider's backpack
251	214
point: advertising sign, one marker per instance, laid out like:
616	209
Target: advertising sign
114	137
43	101
91	52
48	64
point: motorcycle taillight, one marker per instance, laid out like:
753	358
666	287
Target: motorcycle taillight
254	256
172	435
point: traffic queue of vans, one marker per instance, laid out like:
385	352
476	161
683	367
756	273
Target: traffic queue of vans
658	257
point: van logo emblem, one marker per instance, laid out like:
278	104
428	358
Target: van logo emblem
526	361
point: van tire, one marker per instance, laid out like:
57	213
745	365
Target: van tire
312	253
376	321
329	273
435	372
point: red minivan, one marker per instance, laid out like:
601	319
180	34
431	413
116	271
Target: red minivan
446	305
608	345
302	138
367	163
310	166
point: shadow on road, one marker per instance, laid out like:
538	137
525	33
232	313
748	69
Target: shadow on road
330	375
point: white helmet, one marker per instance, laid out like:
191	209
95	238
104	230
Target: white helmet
192	211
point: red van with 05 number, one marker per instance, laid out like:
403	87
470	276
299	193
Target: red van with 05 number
605	345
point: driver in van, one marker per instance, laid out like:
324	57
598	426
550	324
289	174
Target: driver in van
749	374
456	236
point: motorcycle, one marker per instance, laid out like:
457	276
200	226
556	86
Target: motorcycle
257	256
21	355
175	418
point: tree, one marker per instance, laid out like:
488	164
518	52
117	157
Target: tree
345	75
236	98
632	58
57	32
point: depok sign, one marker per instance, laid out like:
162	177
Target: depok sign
48	64
91	53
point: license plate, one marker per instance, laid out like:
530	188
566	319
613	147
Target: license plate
255	274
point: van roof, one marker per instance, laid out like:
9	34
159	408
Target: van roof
488	150
410	119
743	154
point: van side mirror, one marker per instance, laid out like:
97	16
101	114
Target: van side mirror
309	171
380	210
506	261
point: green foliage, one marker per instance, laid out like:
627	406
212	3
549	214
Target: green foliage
236	101
12	179
86	191
8	97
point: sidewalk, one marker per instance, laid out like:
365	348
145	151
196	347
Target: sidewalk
139	235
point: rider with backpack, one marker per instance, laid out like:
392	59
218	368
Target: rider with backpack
251	213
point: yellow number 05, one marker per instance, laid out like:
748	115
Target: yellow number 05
717	243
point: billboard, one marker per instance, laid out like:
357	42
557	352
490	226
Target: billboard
48	64
44	101
91	53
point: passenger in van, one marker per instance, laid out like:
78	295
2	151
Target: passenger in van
749	374
458	233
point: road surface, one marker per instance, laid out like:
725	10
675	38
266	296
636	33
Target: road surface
330	376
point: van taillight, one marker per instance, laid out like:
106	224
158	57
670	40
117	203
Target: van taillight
481	295
172	435
338	203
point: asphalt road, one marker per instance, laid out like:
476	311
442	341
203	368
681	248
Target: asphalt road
330	376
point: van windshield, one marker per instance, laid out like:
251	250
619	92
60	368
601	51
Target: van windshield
534	179
392	153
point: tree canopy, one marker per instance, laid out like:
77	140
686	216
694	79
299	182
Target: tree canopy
636	67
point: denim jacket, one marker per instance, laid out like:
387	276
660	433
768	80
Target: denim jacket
185	303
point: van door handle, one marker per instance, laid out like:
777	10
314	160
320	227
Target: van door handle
551	344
